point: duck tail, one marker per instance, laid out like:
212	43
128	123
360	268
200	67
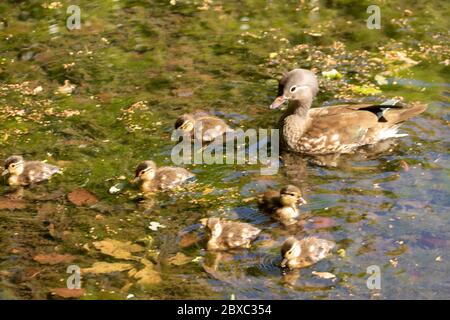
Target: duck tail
398	116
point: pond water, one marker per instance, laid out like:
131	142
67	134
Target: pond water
137	65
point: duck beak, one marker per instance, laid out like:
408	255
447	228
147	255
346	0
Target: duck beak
302	201
5	172
136	179
278	102
284	263
204	222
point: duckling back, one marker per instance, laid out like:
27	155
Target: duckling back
169	177
232	235
315	249
34	172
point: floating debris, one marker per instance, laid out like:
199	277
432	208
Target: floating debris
155	225
324	275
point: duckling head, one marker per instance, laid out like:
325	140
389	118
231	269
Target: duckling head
298	84
145	171
14	165
214	225
290	250
185	123
290	196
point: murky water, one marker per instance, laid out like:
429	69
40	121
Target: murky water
390	210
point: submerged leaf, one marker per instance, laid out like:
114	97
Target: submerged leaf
106	267
12	204
146	276
67	293
179	259
117	249
365	90
332	74
53	258
81	197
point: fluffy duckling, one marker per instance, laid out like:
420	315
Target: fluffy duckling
152	178
208	127
283	204
305	252
23	173
67	88
229	234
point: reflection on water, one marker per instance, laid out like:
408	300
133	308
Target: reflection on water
136	67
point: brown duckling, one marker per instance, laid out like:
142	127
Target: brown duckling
229	234
152	178
209	127
333	129
283	204
23	173
305	252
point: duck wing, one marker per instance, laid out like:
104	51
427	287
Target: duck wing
340	128
239	234
168	177
269	200
36	171
316	249
211	127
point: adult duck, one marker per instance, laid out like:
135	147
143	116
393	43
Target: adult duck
333	129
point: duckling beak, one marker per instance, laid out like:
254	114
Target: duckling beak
284	263
184	126
5	172
278	102
302	201
204	222
136	179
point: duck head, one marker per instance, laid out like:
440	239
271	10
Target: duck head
185	123
145	171
290	196
290	250
14	165
214	225
298	84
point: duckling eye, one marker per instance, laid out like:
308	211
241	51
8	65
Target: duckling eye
12	165
293	88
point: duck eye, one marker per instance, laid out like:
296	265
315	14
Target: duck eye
12	165
293	88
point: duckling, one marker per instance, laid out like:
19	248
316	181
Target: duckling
333	129
305	252
229	234
283	204
202	126
67	88
23	173
152	178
